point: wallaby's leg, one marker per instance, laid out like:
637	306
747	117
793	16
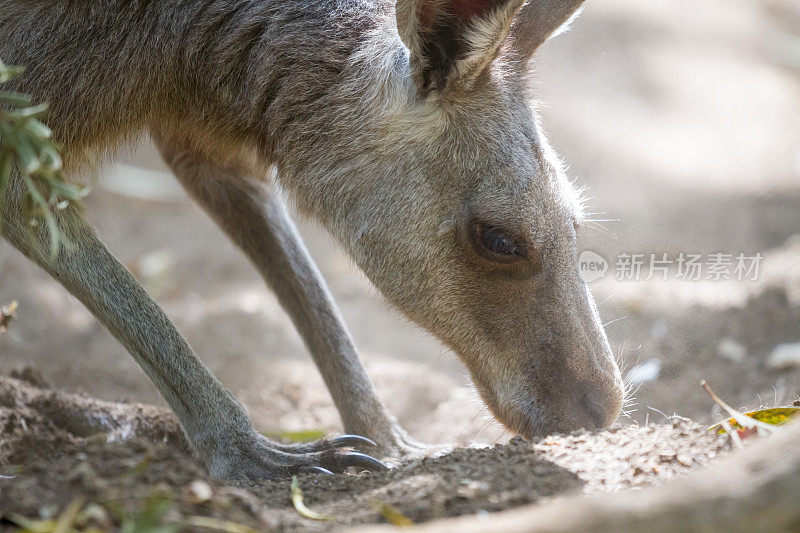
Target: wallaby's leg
213	420
247	211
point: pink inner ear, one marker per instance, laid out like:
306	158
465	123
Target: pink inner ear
466	10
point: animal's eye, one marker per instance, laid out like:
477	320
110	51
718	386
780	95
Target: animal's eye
497	243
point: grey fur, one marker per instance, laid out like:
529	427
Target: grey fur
397	168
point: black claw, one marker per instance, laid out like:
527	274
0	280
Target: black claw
360	459
315	470
350	440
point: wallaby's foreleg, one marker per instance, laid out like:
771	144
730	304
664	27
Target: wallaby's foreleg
214	421
248	212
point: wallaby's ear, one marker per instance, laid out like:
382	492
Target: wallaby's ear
536	22
453	41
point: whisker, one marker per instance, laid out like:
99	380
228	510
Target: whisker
660	412
601	229
621	357
480	429
500	436
615	320
636	390
607	298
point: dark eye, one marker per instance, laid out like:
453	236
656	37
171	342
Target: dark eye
497	243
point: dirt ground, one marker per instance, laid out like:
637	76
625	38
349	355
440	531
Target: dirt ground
57	447
683	122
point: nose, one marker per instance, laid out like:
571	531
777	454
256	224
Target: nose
601	407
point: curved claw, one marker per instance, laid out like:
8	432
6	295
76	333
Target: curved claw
346	459
343	441
315	470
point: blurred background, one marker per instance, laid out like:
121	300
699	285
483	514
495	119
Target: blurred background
683	120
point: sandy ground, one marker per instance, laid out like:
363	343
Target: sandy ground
682	120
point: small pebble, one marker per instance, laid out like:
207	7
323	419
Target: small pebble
199	491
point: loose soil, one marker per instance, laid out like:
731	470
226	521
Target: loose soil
121	458
684	127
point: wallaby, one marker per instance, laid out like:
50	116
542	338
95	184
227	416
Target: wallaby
406	130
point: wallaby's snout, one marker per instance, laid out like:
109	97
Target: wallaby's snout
545	365
576	382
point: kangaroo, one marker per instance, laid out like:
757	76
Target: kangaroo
406	130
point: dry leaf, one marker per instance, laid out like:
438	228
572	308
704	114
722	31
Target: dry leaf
297	501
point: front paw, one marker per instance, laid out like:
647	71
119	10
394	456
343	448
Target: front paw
254	457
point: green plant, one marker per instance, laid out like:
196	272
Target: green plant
26	143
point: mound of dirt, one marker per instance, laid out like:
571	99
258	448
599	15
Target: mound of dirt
130	463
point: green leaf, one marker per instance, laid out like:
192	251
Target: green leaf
743	420
8	72
776	416
51	159
26	143
30	163
62	524
38	130
151	517
28	112
15	99
49	218
67	518
6	164
32	526
215	524
393	515
68	191
305	435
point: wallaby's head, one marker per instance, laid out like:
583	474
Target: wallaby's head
463	217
